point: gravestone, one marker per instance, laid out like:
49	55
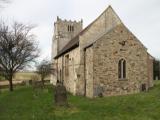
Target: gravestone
143	87
30	82
37	84
37	88
27	83
99	91
60	95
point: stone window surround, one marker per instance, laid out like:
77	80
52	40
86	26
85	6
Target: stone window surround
122	70
70	28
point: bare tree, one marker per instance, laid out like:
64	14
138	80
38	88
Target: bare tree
17	49
44	69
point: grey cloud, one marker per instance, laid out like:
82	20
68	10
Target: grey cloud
140	16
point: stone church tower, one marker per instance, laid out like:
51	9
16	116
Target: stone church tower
64	31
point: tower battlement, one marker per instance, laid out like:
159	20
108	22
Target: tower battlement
64	31
69	21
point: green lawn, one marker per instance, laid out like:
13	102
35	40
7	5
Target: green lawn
26	104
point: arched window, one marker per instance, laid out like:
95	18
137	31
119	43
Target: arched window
67	65
60	75
72	28
122	69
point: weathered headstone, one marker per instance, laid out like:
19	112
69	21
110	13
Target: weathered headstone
30	82
143	87
37	88
99	91
60	95
37	84
27	83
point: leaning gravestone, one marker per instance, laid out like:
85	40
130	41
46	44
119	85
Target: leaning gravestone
30	82
60	95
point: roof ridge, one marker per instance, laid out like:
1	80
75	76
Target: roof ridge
109	7
75	39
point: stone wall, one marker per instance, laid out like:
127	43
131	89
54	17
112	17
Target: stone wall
60	38
54	75
70	79
62	35
150	70
108	50
104	23
89	72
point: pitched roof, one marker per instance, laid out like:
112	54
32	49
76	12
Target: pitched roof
71	45
107	9
75	41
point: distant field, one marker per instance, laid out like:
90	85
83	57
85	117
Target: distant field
25	76
21	76
26	104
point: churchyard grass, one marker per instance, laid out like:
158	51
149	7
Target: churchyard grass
27	104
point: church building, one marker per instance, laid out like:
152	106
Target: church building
103	59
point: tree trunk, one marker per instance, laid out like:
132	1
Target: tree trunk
10	84
43	81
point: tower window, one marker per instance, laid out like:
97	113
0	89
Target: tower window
70	28
60	75
122	69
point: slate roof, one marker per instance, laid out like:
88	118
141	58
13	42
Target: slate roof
71	45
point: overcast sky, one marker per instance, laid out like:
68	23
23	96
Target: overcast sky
142	17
